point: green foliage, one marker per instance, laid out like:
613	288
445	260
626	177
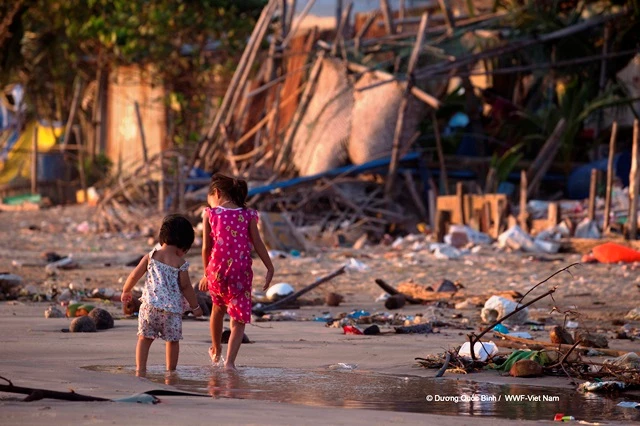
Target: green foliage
52	41
505	164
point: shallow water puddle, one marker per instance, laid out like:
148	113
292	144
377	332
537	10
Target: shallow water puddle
358	389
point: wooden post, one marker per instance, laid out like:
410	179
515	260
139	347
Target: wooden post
592	195
634	183
342	24
301	17
363	30
553	215
338	13
72	113
523	216
388	19
460	202
143	139
610	173
444	180
402	109
81	152
448	17
34	159
415	196
402	11
181	183
161	183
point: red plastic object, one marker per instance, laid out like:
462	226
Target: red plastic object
614	253
349	329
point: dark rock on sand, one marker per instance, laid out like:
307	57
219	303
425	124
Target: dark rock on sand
227	333
102	318
83	325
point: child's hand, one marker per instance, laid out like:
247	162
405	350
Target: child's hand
268	279
126	296
204	284
197	312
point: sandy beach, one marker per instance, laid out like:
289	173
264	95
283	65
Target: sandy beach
35	353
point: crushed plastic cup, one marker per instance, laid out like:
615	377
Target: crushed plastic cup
629	404
560	417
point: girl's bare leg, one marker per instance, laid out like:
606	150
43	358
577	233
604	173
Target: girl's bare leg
217	318
142	353
172	352
235	340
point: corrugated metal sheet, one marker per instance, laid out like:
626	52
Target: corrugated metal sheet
126	86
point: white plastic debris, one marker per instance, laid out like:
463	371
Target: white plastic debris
520	334
445	252
354	265
633	314
498	307
516	239
482	350
571	324
52	267
341	366
383	297
629	404
587	229
279	290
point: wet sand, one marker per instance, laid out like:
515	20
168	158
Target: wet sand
34	352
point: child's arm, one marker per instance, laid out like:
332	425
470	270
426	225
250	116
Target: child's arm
258	245
133	278
207	245
189	293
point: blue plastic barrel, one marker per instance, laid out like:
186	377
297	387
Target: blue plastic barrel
580	178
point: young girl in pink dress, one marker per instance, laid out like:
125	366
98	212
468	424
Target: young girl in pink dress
230	230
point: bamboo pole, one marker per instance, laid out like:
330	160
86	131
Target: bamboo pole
34	159
363	30
402	11
610	173
591	212
301	17
344	20
448	17
388	18
402	110
203	146
634	185
444	180
72	112
299	114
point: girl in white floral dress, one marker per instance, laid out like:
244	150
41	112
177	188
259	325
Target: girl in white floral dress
166	287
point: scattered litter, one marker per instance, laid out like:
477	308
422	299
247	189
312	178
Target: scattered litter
372	330
278	291
324	317
633	315
445	252
333	299
587	229
341	366
572	324
629	361
354	265
383	297
521	335
350	329
562	418
358	314
498	307
53	312
483	350
629	404
425	328
501	329
606	386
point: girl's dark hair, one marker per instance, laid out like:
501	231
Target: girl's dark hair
234	189
176	231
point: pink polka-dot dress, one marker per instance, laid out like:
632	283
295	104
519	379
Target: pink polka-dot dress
229	272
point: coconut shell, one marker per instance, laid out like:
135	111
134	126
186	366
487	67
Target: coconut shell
560	335
333	299
592	340
395	302
526	368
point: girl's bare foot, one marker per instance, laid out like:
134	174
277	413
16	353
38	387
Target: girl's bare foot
215	358
229	366
141	373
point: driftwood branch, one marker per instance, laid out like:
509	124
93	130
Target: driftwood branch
293	297
444	367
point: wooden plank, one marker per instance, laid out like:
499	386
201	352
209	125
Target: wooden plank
75	103
300	18
634	185
610	173
460	203
363	30
553	214
591	213
143	140
342	25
